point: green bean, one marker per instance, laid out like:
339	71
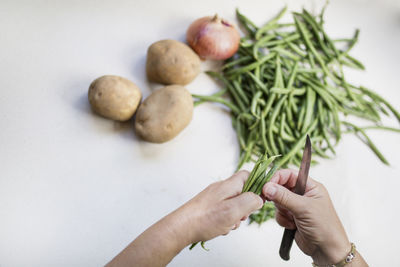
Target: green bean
261	85
230	88
315	30
293	106
257	171
250	66
282	131
246	116
297	49
312	61
240	92
235	62
352	62
272	120
254	103
295	148
379	98
311	96
261	43
353	42
310	70
321	92
248	24
278	76
270	23
248	149
285	52
301	115
263	132
280	91
289	111
266	178
337	123
349	92
268	106
375	127
219	100
312	49
257	179
217	94
368	142
286	40
320	152
292	75
240	134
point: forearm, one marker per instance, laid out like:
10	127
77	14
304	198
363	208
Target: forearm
158	245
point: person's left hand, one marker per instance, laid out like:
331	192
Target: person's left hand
219	208
215	211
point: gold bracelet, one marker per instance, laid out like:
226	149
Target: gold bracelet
349	258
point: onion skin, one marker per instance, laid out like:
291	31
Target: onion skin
213	38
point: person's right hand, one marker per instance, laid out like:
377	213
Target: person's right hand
320	233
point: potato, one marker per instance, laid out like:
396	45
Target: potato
114	97
164	114
172	62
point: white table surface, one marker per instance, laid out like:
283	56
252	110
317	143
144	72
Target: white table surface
75	188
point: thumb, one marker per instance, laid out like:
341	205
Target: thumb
284	197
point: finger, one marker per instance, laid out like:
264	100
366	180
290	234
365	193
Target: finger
284	197
233	186
288	178
284	221
244	204
244	218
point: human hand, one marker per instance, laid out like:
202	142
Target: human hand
219	208
320	234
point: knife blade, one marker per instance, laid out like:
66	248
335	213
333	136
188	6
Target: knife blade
300	188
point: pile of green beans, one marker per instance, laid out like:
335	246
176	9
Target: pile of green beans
287	81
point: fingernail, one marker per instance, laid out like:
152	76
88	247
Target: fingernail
271	190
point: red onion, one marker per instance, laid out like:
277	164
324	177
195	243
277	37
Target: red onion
213	38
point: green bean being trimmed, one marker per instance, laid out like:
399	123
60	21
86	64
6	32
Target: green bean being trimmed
287	81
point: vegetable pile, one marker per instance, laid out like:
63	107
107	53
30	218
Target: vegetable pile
287	81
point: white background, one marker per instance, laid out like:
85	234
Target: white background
75	188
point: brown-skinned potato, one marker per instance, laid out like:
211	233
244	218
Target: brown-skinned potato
172	62
164	114
114	97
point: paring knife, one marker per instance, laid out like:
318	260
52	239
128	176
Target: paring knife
300	188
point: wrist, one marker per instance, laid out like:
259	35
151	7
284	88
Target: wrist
181	227
331	253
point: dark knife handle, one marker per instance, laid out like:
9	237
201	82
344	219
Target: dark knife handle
286	244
